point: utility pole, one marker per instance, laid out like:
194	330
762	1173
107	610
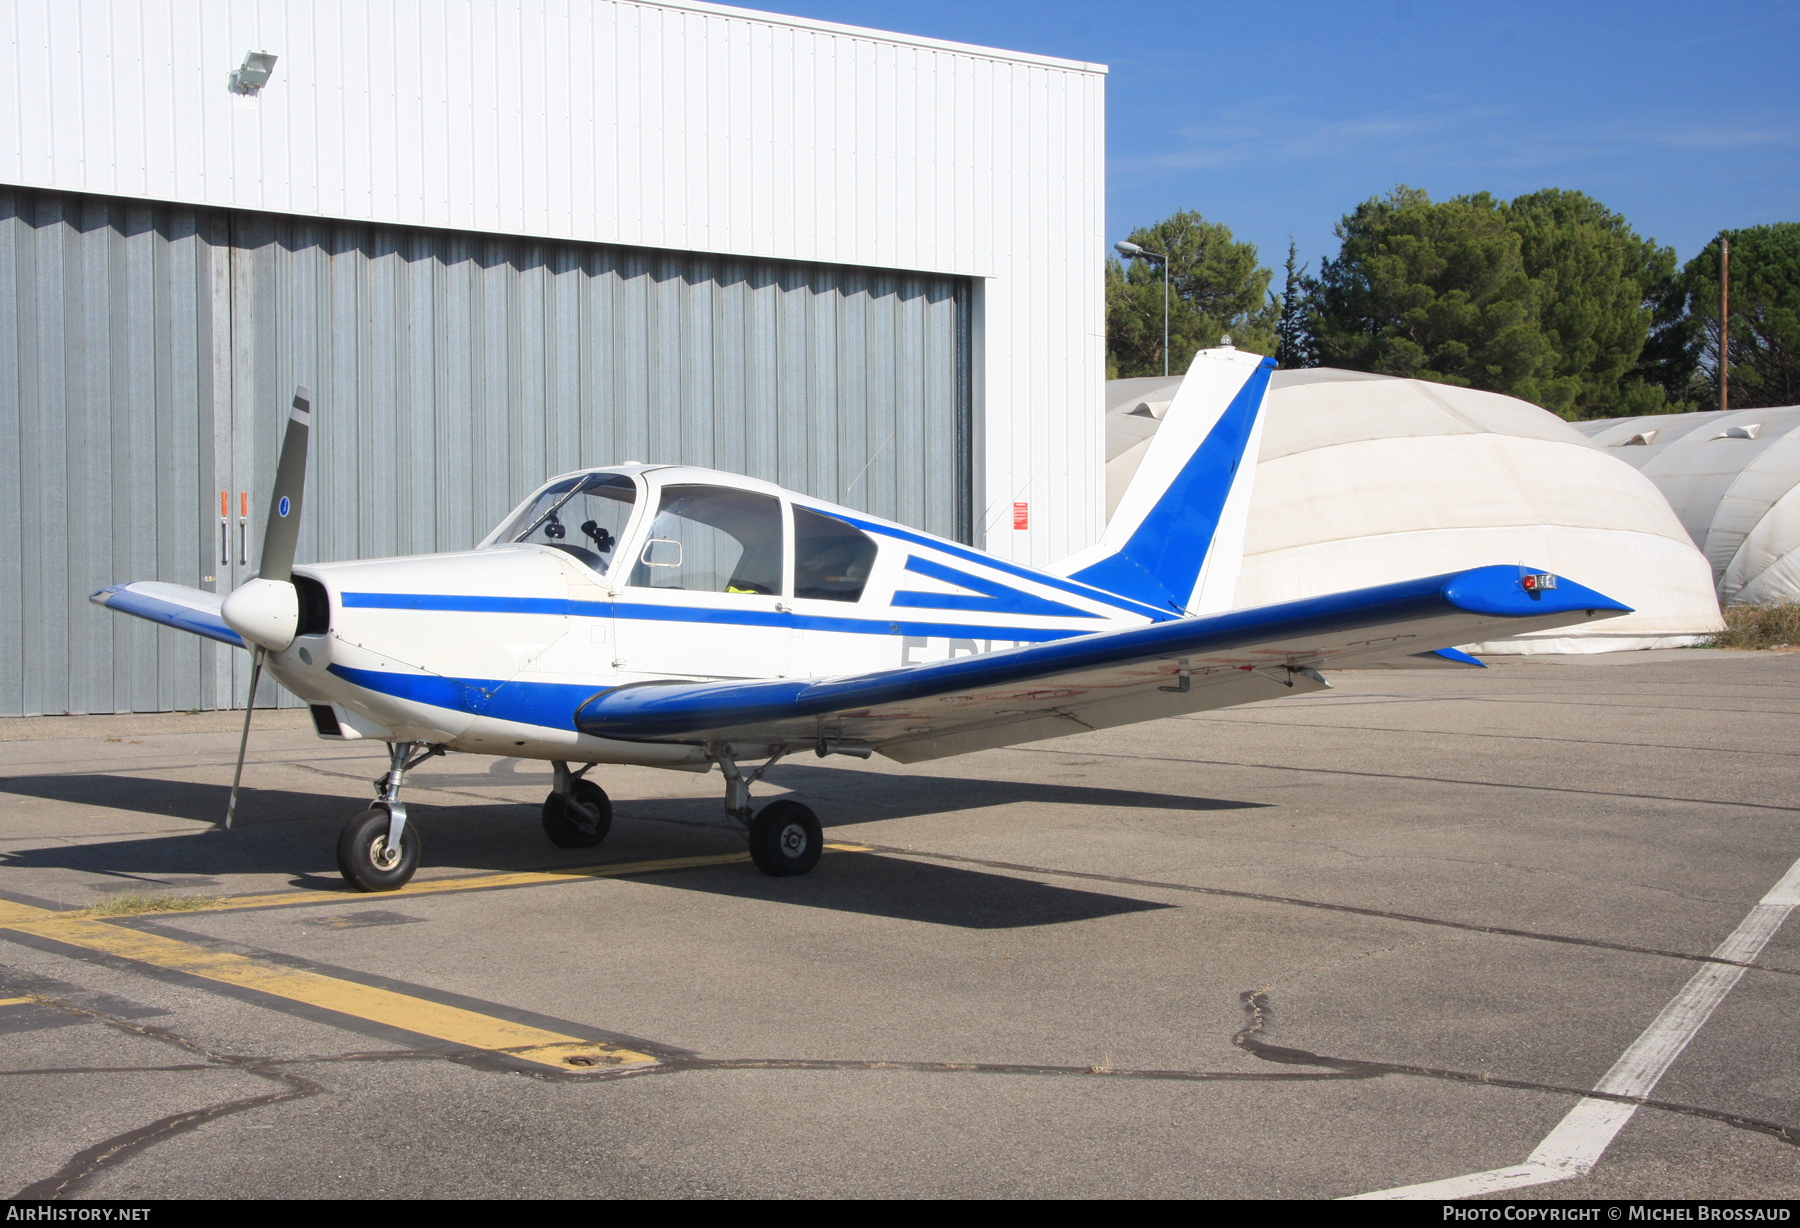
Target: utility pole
1724	323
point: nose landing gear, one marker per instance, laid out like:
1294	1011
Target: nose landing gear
377	851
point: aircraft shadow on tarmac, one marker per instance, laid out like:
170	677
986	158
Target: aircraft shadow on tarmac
292	833
877	886
847	796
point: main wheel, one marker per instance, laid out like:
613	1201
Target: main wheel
785	839
365	859
568	828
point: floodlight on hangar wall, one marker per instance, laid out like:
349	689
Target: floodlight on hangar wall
254	72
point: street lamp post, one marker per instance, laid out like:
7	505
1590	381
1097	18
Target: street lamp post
1131	251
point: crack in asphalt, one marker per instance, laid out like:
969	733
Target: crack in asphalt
84	1165
1258	1014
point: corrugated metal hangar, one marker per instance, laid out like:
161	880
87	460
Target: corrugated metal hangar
503	240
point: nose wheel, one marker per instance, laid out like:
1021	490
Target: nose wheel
366	857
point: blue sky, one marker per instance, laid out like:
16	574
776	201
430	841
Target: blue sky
1278	118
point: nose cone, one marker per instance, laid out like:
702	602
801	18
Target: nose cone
265	612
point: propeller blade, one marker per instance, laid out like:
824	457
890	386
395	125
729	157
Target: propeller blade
283	521
256	661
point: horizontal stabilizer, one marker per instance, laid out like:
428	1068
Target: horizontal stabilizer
1457	656
172	605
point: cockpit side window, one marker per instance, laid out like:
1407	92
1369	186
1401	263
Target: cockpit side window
712	539
583	516
832	561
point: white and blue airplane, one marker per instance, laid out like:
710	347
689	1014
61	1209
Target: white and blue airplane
681	617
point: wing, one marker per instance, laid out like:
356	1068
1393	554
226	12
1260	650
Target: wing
172	605
1096	681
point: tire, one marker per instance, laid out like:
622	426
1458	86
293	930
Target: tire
785	839
568	829
363	842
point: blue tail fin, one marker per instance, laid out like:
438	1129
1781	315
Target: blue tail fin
1177	538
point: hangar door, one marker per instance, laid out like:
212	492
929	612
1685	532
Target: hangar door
147	353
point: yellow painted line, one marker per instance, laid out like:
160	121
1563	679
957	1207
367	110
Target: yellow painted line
434	1019
11	913
484	882
15	1001
480	882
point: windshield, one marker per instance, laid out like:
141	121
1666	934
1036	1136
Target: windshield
584	516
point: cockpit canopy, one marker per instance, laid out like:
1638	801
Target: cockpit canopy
704	538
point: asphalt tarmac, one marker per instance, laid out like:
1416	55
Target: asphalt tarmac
1386	935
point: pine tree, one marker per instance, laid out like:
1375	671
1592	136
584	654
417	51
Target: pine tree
1293	342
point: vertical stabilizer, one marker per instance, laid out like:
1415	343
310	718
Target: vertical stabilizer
1177	538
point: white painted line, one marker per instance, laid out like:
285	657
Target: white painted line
1575	1146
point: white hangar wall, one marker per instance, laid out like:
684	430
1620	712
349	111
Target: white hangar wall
680	126
1366	479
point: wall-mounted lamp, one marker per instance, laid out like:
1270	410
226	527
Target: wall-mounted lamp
254	73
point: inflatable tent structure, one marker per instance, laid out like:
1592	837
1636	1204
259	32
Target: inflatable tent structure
1365	479
1733	478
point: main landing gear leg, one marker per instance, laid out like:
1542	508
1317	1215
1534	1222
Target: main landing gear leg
785	837
377	850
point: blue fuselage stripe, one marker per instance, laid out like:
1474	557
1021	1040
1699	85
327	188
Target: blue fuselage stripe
994	597
462	603
646	612
1061	584
551	705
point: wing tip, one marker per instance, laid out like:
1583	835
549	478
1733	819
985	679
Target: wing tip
1524	592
